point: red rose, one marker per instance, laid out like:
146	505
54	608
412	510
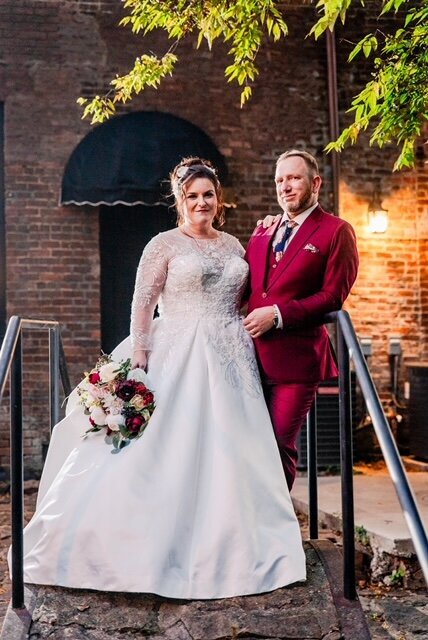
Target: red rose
148	398
94	377
134	423
139	387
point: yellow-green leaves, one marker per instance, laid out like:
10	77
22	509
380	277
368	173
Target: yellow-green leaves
395	101
148	71
331	11
243	24
368	44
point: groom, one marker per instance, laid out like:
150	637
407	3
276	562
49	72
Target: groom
301	267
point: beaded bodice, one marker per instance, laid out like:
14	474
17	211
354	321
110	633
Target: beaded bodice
189	279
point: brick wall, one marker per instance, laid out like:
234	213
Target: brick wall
388	298
53	51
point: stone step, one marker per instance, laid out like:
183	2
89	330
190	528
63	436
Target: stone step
314	610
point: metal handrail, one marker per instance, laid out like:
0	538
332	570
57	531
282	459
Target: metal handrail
8	347
349	348
11	363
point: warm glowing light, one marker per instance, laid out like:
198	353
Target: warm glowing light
377	215
378	221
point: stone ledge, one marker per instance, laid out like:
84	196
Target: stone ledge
301	611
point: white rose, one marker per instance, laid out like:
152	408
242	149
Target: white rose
115	421
98	416
109	371
139	375
108	400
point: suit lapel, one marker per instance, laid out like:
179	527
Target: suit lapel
310	225
265	249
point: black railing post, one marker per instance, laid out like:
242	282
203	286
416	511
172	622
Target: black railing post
66	386
17	477
345	417
54	376
312	454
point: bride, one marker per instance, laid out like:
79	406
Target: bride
198	506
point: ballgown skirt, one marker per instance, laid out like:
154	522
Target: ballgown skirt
197	507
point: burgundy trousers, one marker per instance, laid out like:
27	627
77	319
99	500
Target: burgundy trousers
288	405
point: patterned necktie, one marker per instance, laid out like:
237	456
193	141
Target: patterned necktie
279	247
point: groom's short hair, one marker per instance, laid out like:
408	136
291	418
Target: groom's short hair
309	160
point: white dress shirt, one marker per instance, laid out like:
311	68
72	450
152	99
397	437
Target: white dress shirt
299	219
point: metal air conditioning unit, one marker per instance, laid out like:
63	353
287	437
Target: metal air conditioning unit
418	409
328	432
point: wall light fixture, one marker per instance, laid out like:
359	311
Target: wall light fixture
378	219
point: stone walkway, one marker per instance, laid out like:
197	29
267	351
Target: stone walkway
391	613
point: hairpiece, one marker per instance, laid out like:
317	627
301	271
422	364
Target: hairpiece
185	172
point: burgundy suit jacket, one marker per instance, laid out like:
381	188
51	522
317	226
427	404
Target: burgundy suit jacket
313	278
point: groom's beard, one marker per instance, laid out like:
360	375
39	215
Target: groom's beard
305	201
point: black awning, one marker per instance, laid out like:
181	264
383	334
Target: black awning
128	159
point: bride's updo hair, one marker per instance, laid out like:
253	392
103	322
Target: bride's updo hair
184	174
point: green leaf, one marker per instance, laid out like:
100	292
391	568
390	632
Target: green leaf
245	95
355	51
359	110
387	7
276	31
367	47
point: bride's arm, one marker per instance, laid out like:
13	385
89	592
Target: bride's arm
149	283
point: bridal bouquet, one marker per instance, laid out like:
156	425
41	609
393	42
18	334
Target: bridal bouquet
117	399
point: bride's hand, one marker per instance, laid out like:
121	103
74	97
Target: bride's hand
139	359
268	221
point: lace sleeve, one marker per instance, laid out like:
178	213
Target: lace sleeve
149	282
238	246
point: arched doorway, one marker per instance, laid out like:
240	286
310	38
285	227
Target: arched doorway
122	168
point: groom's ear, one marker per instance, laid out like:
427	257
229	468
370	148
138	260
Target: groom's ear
316	184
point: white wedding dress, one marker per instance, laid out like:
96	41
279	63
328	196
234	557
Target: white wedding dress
198	507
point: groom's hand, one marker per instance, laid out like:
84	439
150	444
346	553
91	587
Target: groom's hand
268	221
259	321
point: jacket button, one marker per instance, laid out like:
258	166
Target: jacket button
274	266
264	294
